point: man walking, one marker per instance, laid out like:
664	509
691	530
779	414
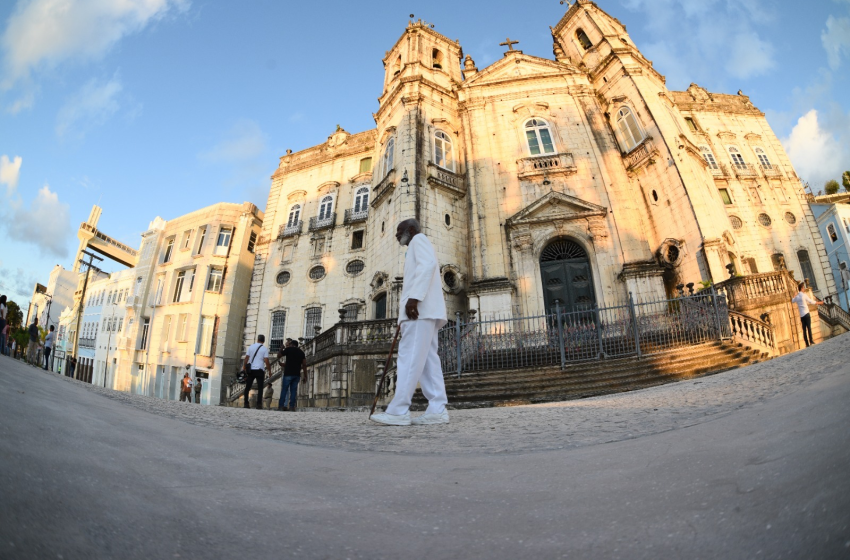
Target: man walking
803	302
294	368
32	347
256	364
186	388
48	346
198	387
422	312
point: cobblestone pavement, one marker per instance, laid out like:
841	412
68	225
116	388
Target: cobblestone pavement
524	429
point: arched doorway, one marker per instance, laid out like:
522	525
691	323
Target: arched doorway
567	276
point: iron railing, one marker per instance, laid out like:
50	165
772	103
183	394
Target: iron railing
560	337
352	216
317	223
289	231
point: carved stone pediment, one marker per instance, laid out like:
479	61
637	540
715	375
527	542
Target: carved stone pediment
519	66
556	207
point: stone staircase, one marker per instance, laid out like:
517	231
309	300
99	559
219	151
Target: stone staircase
588	379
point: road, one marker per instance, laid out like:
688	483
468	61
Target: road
753	463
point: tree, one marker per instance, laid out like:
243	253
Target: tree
831	187
845	179
14	315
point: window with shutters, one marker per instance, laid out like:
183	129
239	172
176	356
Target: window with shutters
366	165
205	337
763	159
737	158
709	158
326	207
252	241
361	200
387	159
630	132
294	215
169	248
443	155
215	280
202	235
806	267
222	245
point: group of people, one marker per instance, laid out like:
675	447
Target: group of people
8	346
187	387
257	368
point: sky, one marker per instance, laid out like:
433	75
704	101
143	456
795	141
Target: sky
161	107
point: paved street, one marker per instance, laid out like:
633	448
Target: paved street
753	463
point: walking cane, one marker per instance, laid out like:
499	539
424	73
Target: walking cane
386	369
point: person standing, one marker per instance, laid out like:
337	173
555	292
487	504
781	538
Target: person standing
803	302
4	327
198	387
49	340
4	339
72	366
256	363
186	388
294	369
422	313
32	347
268	396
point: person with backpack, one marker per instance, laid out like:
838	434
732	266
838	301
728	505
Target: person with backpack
255	365
294	370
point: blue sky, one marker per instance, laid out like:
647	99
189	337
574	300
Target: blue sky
160	107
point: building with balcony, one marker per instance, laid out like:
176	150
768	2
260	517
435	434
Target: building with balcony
833	216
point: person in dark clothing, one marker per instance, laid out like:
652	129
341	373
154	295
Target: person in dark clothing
256	364
32	347
294	368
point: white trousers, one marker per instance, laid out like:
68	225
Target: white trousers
419	362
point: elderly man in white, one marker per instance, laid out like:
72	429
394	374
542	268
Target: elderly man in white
422	312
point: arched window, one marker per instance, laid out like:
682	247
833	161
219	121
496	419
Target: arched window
437	59
833	234
583	39
381	306
397	67
387	160
294	215
737	158
326	207
443	156
361	200
630	131
763	159
708	156
539	137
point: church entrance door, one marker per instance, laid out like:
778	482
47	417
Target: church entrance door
567	277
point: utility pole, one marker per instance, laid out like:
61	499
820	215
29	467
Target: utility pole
89	266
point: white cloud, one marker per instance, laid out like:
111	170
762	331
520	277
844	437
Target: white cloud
45	224
10	172
836	40
91	106
244	142
17	283
816	153
40	34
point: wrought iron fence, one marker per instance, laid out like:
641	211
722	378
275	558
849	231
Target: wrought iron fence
561	337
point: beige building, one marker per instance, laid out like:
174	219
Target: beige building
572	181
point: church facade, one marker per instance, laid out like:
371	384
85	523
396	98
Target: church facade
573	181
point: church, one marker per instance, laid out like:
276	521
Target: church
575	181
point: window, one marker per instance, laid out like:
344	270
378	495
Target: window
450	279
708	156
833	235
182	321
778	261
252	241
202	234
204	345
751	264
539	137
169	247
357	239
806	267
724	195
351	311
222	245
187	237
215	280
318	247
120	323
183	286
381	306
361	200
326	206
312	319
317	272
145	328
846	225
387	160
397	67
737	223
443	156
692	126
583	39
437	59
109	298
294	216
286	253
628	129
166	330
737	158
276	336
366	165
178	286
355	267
790	218
283	278
781	197
765	220
763	159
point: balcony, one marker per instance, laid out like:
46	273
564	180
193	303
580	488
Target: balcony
383	189
290	231
771	171
446	180
719	171
86	343
641	155
552	164
743	170
352	217
317	223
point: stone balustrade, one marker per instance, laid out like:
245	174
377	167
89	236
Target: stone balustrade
748	330
552	164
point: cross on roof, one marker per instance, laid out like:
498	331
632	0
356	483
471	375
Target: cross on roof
510	44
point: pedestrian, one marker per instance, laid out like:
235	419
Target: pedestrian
803	302
4	339
198	388
294	369
32	347
49	340
422	312
72	366
186	388
268	396
4	328
255	365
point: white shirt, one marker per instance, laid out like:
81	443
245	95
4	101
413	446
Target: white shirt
48	340
3	311
258	360
803	302
422	281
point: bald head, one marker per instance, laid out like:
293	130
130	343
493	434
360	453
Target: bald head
406	230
